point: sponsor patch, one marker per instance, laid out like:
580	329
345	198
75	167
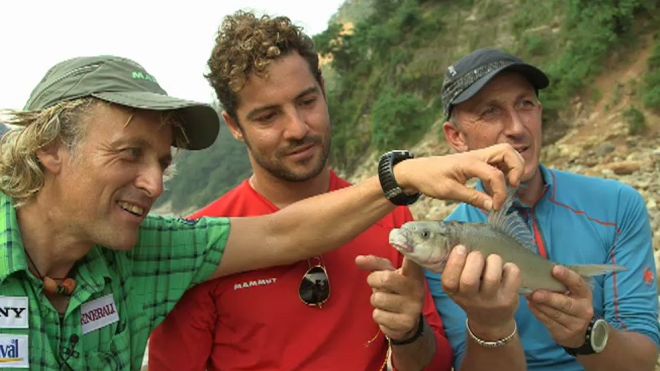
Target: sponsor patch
14	351
98	313
13	312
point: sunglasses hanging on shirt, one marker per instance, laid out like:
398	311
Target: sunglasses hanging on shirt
314	288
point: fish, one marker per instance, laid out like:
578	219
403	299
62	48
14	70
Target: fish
428	243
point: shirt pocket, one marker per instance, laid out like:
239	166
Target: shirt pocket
111	355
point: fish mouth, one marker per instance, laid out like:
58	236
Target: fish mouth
405	248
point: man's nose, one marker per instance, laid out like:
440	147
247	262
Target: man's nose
296	126
515	124
150	180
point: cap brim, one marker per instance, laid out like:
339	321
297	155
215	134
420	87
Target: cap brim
200	121
535	76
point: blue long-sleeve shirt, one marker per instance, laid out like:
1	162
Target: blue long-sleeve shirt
578	220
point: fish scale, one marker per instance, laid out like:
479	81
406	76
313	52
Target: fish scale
536	271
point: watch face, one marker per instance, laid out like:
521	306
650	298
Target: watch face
599	334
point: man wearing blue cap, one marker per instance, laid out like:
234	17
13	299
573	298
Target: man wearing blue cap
491	97
86	274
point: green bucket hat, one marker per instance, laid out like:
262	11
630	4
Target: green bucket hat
124	82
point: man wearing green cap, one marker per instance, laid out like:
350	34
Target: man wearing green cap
86	275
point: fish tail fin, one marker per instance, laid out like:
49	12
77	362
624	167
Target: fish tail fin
592	270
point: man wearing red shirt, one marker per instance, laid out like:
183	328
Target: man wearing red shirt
322	313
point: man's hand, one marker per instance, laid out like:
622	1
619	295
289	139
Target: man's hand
445	176
398	295
486	289
566	316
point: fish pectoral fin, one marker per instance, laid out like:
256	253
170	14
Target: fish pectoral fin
592	270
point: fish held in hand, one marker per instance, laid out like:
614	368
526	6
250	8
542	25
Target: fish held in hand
428	243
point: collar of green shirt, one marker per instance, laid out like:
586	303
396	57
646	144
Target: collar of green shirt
93	270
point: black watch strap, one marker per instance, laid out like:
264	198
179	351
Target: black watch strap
587	347
416	335
388	183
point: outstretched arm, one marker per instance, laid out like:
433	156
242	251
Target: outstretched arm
322	223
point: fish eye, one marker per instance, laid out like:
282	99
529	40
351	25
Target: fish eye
426	234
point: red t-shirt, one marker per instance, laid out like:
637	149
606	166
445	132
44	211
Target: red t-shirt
256	320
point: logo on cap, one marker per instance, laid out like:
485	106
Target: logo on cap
139	75
452	71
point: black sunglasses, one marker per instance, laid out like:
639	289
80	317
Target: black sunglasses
315	286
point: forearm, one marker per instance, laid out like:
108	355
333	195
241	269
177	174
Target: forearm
508	357
624	351
304	229
416	355
315	225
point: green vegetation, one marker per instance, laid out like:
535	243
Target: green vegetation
395	119
651	95
202	176
635	120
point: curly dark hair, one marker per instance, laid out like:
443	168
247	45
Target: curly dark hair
245	44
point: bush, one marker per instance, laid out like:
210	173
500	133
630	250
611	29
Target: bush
651	95
395	118
635	120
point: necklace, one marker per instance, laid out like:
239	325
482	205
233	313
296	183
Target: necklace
52	285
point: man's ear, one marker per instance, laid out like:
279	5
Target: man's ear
322	83
455	137
51	157
233	126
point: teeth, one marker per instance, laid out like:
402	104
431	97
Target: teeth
133	209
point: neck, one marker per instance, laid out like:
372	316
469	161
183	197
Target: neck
282	193
531	191
48	240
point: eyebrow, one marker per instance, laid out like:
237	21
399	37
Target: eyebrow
257	111
142	143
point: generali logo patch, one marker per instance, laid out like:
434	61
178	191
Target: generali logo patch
98	313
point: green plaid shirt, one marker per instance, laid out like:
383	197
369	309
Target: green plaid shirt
145	283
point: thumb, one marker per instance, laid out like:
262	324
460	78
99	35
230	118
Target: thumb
411	269
372	263
471	196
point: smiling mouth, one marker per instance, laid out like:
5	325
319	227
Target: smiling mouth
132	208
301	150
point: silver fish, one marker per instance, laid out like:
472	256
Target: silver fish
429	243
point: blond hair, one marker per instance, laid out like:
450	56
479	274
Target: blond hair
21	174
246	44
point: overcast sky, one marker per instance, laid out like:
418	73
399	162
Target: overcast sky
171	39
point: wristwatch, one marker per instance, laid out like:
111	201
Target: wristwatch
391	188
595	339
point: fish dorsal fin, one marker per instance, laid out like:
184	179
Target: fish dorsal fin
512	224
